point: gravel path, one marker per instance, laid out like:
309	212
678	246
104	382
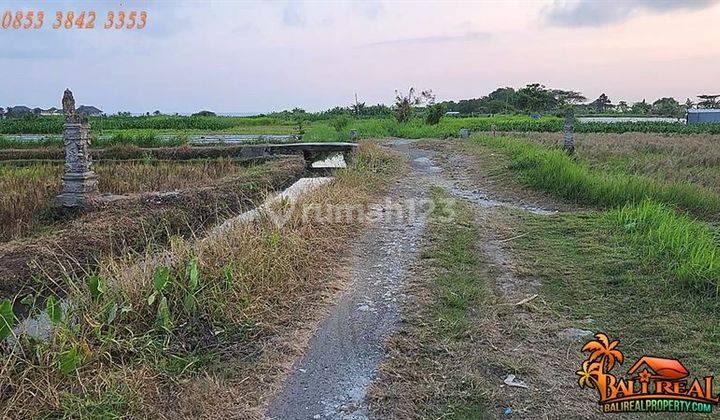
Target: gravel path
333	377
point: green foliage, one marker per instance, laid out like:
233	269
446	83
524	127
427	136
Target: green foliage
96	285
53	309
688	247
70	360
405	103
54	124
204	114
193	275
340	123
434	113
553	171
7	319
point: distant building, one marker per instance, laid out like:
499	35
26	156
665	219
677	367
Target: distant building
703	116
51	111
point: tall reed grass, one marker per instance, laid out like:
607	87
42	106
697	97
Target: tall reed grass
554	171
688	248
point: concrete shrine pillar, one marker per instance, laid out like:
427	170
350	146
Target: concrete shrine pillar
568	138
80	184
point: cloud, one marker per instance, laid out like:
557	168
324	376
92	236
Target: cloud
437	39
581	13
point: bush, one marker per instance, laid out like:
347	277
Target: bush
435	113
340	123
204	114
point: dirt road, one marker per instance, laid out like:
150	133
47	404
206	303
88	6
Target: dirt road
332	379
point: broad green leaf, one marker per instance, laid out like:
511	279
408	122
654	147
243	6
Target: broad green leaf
161	278
70	360
7	318
53	309
189	302
193	274
163	314
96	285
28	300
151	298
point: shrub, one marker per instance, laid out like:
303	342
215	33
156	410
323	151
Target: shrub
435	113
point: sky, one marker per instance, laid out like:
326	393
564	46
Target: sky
260	56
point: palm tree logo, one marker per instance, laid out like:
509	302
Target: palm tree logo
595	370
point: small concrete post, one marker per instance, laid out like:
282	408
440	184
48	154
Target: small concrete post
80	185
568	139
464	133
353	135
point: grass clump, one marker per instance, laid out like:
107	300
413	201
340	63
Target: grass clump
686	247
553	171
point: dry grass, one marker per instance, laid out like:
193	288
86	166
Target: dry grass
28	191
132	225
675	158
224	348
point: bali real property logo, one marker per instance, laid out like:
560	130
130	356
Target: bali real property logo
654	384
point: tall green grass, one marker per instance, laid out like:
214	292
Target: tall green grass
688	248
553	171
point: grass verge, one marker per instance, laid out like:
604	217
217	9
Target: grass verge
592	274
28	191
200	330
429	369
551	170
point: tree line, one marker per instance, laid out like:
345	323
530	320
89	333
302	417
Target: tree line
536	98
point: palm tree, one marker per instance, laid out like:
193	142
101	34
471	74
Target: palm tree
604	350
588	374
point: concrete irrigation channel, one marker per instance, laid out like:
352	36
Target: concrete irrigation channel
39	327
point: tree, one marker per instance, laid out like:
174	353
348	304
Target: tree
641	108
535	98
156	112
623	107
404	103
564	97
689	104
358	108
202	114
601	103
667	107
708	101
435	113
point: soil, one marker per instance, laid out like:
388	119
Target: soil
130	225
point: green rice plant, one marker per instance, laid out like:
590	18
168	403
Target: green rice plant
687	247
553	171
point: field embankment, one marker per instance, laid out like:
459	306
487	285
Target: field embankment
207	328
130	224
